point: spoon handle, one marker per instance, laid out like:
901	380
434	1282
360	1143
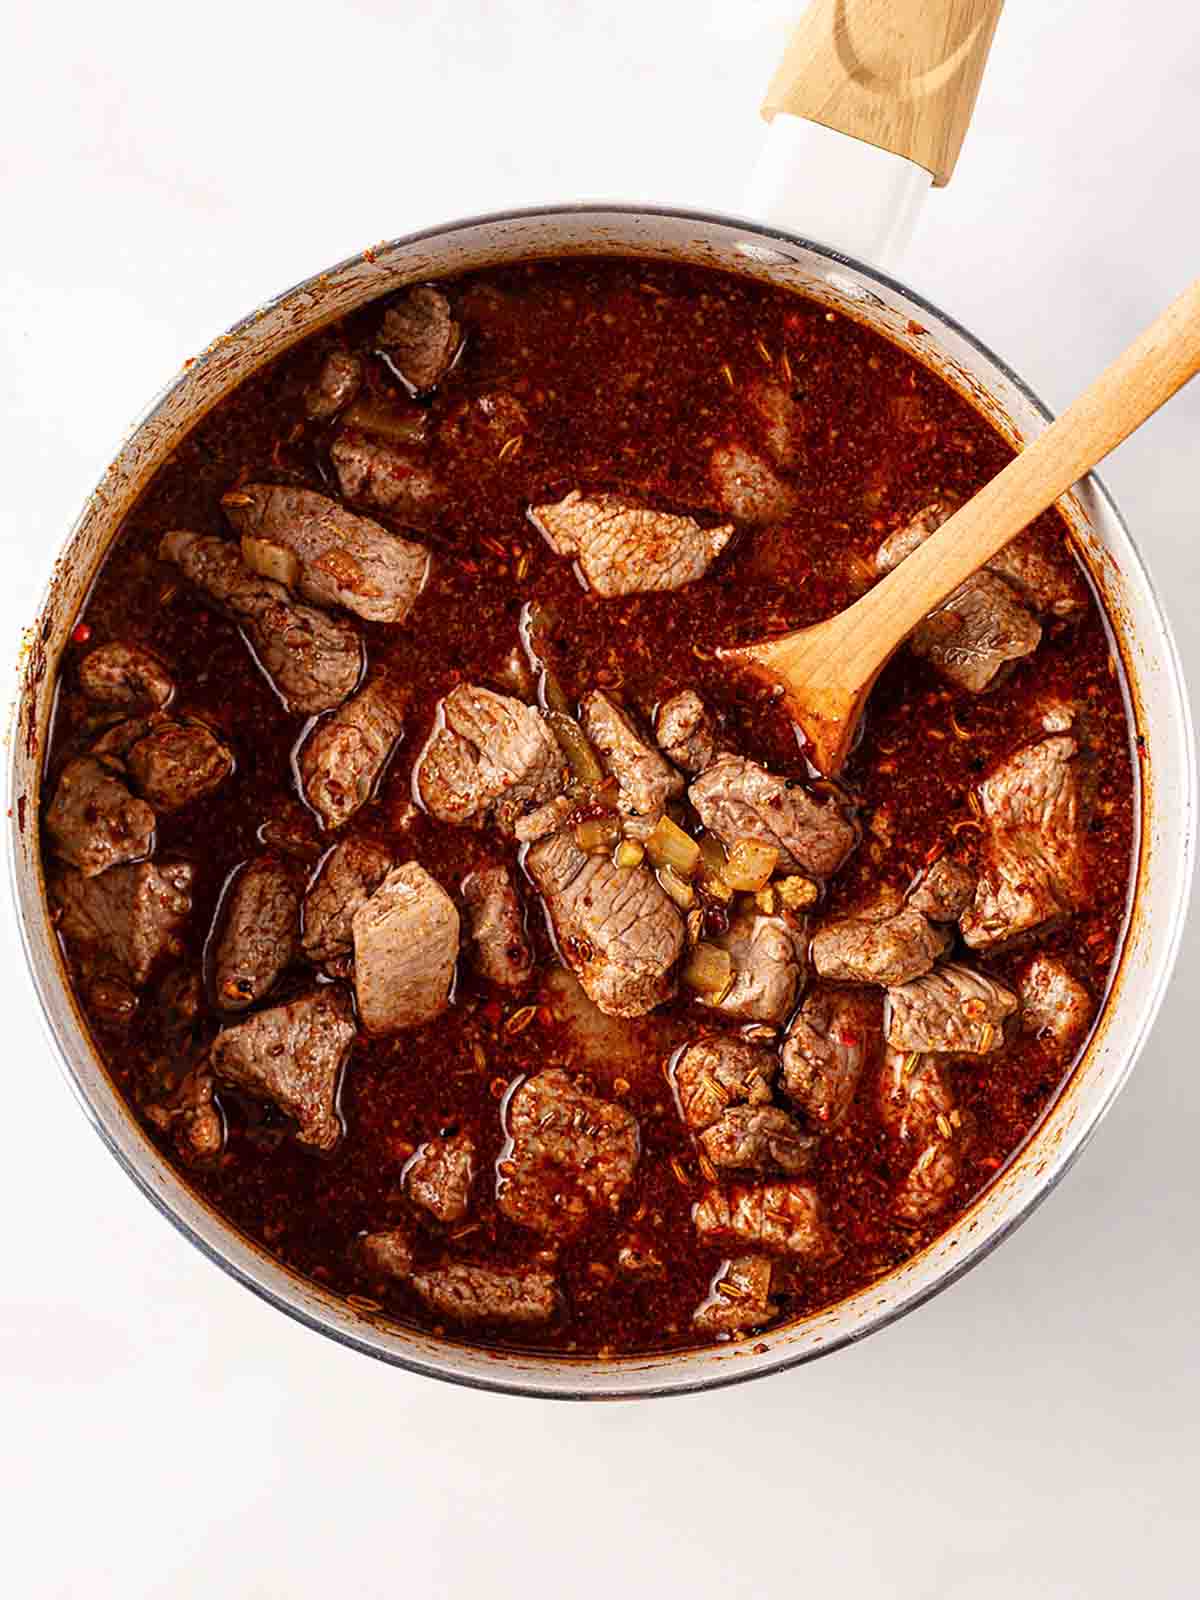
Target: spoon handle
1149	372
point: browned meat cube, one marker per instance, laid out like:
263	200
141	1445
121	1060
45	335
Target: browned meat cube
336	385
951	1009
944	891
835	1033
758	1139
497	923
493	759
93	820
342	559
617	929
1049	580
1055	1005
917	1108
519	1297
440	1175
313	660
974	634
178	762
714	1074
982	626
132	915
189	1114
348	877
1033	853
738	799
783	1218
572	1155
261	935
125	675
405	948
420	338
345	754
740	1297
782	417
535	825
400	483
767	968
293	1056
387	1254
747	488
684	731
885	943
625	548
645	782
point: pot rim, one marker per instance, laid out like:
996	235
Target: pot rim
973	1254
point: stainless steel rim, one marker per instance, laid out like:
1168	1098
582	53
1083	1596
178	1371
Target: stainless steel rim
212	1247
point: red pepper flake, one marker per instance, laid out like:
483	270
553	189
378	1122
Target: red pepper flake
848	1039
81	633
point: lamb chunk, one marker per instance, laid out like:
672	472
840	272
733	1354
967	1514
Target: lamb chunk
616	927
739	1297
94	822
520	1297
625	548
747	487
546	819
338	381
491	759
314	661
714	1074
834	1034
885	944
440	1175
684	731
974	634
344	560
572	1155
115	743
293	1055
738	799
758	1139
767	969
387	1254
178	762
916	1106
131	915
783	1218
399	482
261	933
347	878
1055	1005
645	781
420	338
943	891
501	949
344	756
983	625
125	675
781	417
950	1009
190	1116
405	948
1033	854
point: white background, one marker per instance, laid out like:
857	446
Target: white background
1032	1433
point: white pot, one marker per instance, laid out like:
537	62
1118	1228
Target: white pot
1166	778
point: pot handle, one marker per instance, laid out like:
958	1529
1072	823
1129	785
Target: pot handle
868	107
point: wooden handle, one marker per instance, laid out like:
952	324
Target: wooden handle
900	74
1159	362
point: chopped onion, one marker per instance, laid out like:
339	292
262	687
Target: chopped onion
271	560
797	893
389	422
708	969
597	834
668	846
678	888
629	853
712	868
750	865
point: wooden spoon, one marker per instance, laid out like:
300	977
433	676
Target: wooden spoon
827	671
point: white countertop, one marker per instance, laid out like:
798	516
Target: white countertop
1035	1431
